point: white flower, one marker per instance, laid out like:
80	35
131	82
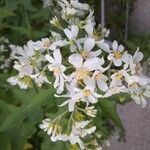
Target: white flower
103	45
115	90
23	83
83	68
78	131
139	94
101	80
76	4
135	65
39	79
72	35
58	69
86	51
140	79
116	54
118	77
87	95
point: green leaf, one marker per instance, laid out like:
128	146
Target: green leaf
5	13
21	30
109	110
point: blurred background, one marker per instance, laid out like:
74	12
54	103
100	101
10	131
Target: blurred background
129	23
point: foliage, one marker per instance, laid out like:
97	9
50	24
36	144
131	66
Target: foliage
23	20
21	111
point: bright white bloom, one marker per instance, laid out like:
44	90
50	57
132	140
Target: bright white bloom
52	129
58	69
39	79
139	94
83	68
101	80
115	90
135	65
87	95
87	50
72	35
116	55
23	83
72	9
79	131
120	76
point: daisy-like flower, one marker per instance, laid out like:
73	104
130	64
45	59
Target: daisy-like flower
118	77
83	69
58	69
87	95
86	52
72	35
116	55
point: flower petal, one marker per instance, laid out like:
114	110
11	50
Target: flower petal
76	60
89	44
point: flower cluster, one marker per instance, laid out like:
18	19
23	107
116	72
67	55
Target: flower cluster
7	54
85	67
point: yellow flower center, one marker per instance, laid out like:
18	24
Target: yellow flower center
98	76
56	71
86	92
119	76
82	73
134	85
142	94
96	36
117	55
27	80
33	63
84	54
46	44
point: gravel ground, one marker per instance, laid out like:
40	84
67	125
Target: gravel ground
137	124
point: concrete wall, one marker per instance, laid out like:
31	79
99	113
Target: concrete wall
140	17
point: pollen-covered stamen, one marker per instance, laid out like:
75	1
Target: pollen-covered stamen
46	44
33	63
82	73
98	76
57	71
117	54
134	85
141	94
119	76
96	35
84	54
86	92
27	80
